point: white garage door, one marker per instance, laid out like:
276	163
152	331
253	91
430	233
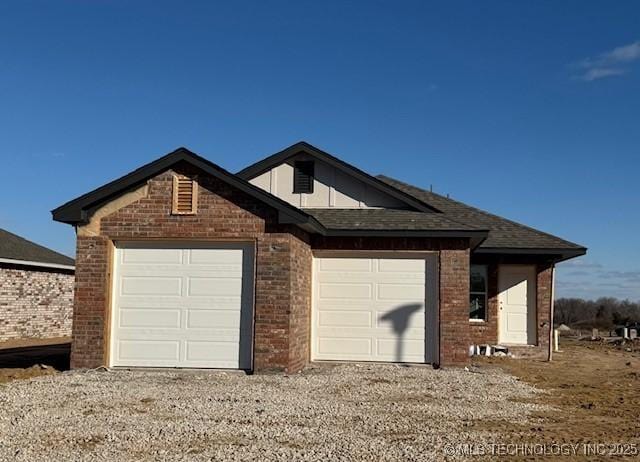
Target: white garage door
182	306
370	309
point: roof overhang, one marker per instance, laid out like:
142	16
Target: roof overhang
79	210
302	147
11	261
553	254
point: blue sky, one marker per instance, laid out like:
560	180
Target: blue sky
530	110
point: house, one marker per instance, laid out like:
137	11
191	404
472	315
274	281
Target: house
300	257
36	290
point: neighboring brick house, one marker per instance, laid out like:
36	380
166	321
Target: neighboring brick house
36	290
300	257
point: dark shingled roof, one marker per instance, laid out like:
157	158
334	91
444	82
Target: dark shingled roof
14	247
385	219
503	233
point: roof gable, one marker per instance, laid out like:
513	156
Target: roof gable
79	210
303	148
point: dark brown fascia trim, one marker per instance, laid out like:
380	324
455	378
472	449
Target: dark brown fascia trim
303	147
475	237
78	210
557	255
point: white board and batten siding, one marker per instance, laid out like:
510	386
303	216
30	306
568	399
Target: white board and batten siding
377	307
331	188
177	305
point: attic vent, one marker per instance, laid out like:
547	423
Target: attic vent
303	176
185	196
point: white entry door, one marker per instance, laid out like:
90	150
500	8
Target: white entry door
177	305
369	309
517	304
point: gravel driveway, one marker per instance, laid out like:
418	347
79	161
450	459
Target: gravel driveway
345	412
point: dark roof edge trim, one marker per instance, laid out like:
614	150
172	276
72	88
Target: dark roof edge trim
562	254
76	210
37	264
265	164
403	233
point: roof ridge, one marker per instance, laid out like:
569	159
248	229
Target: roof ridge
484	212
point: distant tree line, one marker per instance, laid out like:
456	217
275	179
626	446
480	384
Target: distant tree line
603	313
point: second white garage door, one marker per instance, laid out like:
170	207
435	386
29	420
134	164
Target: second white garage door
370	309
177	305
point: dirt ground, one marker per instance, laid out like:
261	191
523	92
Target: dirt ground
18	373
594	387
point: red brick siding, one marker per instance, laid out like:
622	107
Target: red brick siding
300	312
90	302
223	213
454	307
35	303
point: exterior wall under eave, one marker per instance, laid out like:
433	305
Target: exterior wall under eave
486	333
35	302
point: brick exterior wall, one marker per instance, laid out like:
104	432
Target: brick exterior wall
90	313
281	286
35	303
300	311
454	307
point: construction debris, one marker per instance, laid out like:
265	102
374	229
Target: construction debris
489	350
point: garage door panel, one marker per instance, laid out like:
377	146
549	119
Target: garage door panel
220	258
158	350
385	320
155	286
216	286
207	319
192	309
211	351
346	291
220	303
348	265
401	292
337	346
387	330
346	318
155	256
150	318
374	314
401	265
412	350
